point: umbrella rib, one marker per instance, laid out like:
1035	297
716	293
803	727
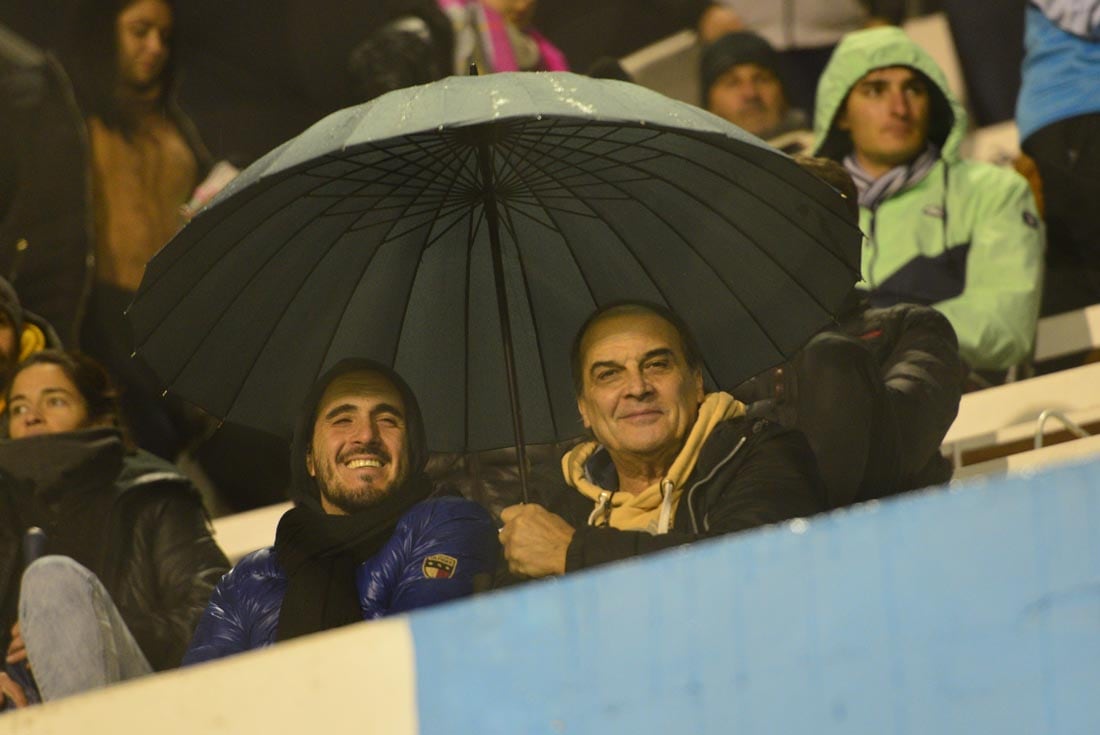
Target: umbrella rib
548	178
557	228
413	171
207	213
240	291
411	282
660	131
288	302
397	221
325	354
427	148
655	283
687	192
451	185
709	140
454	182
572	254
508	224
471	232
519	173
149	286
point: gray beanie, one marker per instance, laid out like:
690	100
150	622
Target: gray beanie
739	47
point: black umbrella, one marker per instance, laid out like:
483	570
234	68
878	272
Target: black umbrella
461	232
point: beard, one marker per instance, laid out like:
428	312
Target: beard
351	500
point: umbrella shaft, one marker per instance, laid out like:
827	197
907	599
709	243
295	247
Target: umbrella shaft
493	222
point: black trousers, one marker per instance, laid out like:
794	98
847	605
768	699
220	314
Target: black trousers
989	39
1068	156
869	441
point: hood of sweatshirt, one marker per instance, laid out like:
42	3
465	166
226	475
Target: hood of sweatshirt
877	48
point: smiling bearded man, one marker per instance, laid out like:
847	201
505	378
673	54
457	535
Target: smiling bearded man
669	463
370	536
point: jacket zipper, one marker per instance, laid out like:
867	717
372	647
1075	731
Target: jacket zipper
691	491
601	507
664	516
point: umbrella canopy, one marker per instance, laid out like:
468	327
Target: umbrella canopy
370	235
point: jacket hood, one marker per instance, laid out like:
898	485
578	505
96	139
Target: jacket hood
863	51
303	488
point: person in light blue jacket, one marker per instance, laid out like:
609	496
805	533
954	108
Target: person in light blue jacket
1058	116
369	536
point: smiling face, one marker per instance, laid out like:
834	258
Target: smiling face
144	30
358	452
43	400
639	397
887	114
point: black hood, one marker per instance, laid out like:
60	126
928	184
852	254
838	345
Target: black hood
303	487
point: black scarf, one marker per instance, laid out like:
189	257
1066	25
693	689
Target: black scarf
320	553
65	483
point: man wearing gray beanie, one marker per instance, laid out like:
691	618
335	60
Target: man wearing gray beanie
742	81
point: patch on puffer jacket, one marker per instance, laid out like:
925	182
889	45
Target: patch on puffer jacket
439	566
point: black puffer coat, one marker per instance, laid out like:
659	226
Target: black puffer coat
131	518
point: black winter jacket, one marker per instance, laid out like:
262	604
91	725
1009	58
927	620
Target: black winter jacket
749	473
130	518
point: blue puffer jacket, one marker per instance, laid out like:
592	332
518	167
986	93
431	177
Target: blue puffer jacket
434	555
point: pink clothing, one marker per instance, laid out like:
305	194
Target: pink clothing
494	35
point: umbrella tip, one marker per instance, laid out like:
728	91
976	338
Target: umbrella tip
474	71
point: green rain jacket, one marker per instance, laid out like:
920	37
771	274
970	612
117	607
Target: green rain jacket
966	238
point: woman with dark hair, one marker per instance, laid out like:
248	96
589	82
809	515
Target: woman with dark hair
80	392
103	164
119	51
146	161
130	560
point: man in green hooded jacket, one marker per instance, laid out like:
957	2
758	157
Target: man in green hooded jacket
962	236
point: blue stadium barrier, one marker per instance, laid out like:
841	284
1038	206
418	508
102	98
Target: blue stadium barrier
969	610
974	609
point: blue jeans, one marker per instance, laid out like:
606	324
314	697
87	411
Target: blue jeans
75	637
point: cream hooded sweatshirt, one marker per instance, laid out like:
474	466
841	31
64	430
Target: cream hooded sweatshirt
652	509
